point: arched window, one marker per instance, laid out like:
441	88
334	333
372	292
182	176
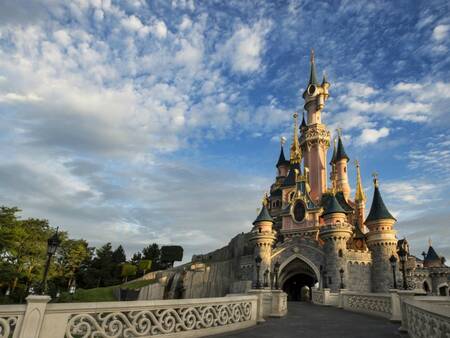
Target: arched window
340	254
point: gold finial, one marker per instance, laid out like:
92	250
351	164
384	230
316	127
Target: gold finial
265	199
282	140
296	152
339	132
359	193
312	55
375	179
429	241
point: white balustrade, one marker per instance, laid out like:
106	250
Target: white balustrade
11	317
184	318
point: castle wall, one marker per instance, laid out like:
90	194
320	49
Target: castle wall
358	277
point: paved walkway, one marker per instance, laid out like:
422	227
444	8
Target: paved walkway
313	321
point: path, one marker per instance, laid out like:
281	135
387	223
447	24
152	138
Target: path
306	320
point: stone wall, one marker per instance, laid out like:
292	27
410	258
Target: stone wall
358	277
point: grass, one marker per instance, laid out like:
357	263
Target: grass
105	294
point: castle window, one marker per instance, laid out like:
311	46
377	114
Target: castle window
340	253
345	169
291	196
330	281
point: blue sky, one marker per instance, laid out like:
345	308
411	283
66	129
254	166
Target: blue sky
158	121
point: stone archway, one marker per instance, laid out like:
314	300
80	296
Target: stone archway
297	276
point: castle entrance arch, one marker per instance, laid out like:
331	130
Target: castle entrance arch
297	277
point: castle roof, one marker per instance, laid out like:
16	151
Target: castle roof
276	192
431	255
281	159
378	209
332	206
333	157
313	73
290	178
303	125
263	216
342	201
340	152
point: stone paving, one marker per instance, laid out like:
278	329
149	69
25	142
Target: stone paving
306	320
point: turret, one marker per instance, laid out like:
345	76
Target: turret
381	241
263	236
282	164
341	161
315	138
437	271
335	234
360	199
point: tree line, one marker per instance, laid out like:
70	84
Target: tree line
23	254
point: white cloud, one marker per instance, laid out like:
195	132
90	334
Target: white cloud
440	32
134	24
372	135
14	97
360	89
160	29
245	47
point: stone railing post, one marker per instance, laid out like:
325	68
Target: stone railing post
396	310
404	295
341	298
34	316
279	303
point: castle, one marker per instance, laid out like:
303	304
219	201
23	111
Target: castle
310	232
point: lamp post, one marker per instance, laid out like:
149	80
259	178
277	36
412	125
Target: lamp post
258	261
52	245
341	272
403	255
266	278
276	270
393	261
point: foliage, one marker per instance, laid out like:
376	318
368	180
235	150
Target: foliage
171	253
94	271
145	265
128	270
105	294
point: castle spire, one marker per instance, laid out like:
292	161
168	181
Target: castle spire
313	75
340	153
360	196
378	210
282	159
303	125
296	153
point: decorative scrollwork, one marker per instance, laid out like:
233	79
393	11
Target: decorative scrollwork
317	297
156	321
424	324
7	326
375	304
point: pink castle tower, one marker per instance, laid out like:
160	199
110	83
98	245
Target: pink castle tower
315	139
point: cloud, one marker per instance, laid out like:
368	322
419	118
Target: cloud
245	47
440	32
372	135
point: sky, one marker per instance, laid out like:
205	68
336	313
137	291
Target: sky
136	121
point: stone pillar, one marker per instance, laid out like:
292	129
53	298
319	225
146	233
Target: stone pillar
34	316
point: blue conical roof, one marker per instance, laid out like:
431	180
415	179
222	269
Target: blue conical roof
333	206
340	152
264	216
378	210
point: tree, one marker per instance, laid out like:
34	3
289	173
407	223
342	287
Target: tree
171	254
71	255
128	270
144	265
119	256
153	253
